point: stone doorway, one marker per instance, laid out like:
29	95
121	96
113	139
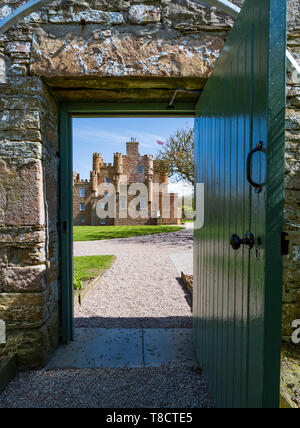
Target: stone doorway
103	52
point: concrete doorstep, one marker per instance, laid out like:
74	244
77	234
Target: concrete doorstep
134	348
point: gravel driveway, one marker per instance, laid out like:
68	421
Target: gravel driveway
108	388
142	289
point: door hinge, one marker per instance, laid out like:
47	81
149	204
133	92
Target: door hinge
285	244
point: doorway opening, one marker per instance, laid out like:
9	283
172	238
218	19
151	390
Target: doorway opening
131	308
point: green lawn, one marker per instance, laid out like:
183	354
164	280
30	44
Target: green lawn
95	233
90	267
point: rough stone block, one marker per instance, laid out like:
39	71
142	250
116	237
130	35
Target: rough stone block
27	310
21	194
18	47
292	120
23	279
90	16
19	119
25	151
102	57
144	14
290	313
22	254
33	347
22	310
31	235
5	10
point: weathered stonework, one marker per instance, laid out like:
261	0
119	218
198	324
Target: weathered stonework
101	50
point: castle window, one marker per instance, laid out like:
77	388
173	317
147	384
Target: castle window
82	206
102	221
106	194
82	193
123	203
143	204
82	219
107	180
140	169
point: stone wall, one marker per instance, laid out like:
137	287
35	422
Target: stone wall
29	272
291	289
78	215
143	49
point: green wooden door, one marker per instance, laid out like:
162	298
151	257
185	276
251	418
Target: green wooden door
237	301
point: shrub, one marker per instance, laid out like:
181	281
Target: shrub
78	284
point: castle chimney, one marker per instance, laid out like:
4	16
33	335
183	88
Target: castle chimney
132	148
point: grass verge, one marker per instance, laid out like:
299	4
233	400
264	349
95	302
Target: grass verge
89	267
95	233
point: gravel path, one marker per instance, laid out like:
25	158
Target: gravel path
142	289
107	388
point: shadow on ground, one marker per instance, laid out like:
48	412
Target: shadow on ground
132	322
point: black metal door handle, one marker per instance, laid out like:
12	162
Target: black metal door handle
236	242
258	186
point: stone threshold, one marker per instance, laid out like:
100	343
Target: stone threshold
126	348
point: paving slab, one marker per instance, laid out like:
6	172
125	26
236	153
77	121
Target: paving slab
169	347
100	348
183	262
132	348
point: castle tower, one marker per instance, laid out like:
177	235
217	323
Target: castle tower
118	170
150	164
118	163
132	148
97	162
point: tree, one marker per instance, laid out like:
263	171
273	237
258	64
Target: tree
176	158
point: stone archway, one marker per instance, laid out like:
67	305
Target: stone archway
93	51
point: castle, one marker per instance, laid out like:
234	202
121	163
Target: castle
161	207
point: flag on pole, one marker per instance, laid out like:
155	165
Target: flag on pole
160	143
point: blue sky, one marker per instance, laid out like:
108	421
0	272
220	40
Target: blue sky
107	136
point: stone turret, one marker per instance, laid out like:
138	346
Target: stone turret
118	163
76	178
150	164
97	162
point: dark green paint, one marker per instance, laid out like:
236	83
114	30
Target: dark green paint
66	222
237	301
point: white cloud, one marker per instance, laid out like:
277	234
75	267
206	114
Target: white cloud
91	134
